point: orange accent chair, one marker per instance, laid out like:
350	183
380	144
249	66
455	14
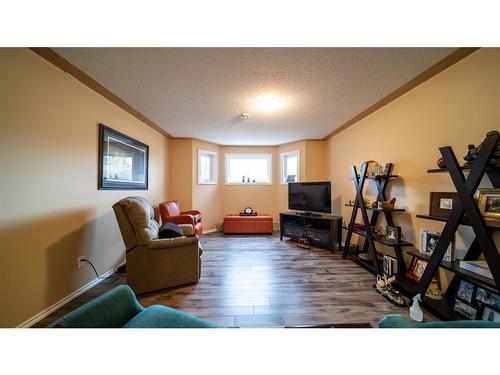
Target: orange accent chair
170	211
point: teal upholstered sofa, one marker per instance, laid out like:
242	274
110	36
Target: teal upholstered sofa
398	321
119	308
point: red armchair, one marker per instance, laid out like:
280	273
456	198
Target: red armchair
170	212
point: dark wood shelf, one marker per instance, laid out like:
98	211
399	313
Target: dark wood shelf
455	268
379	239
445	170
464	221
381	177
380	209
366	264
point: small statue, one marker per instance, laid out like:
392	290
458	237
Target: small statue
434	291
473	151
441	163
248	180
243	179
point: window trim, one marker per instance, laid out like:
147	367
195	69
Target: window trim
268	156
282	164
201	153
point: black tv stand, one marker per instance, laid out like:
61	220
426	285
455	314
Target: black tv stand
307	213
323	231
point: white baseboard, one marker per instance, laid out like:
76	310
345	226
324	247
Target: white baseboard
210	231
49	310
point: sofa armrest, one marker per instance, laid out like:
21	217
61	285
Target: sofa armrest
191	212
169	243
110	310
180	219
187	229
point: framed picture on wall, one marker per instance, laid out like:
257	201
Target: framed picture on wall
123	161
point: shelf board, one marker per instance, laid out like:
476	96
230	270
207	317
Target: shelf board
464	221
366	264
445	170
380	209
381	177
380	240
455	268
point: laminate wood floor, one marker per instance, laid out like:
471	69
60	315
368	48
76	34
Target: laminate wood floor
259	281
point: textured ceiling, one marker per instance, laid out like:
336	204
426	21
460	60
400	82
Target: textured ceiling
199	92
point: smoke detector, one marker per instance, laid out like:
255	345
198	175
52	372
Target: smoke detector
245	116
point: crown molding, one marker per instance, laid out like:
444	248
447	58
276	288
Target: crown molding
437	68
63	64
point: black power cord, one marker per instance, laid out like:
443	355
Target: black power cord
99	277
89	262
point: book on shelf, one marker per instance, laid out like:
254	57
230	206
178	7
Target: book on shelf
477	266
390	265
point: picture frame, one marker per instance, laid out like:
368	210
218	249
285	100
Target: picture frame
416	269
393	233
490	314
428	243
489	205
123	161
468	311
441	203
488	298
465	291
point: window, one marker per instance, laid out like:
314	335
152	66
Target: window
207	167
290	167
249	169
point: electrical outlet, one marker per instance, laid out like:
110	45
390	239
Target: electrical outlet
80	263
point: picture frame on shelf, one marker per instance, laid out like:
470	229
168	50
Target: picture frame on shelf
468	311
441	203
465	291
416	269
393	233
488	298
488	202
428	243
490	314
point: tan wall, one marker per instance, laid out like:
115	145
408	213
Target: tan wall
50	209
454	108
181	172
315	161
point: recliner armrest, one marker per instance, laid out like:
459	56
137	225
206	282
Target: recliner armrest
168	243
191	212
187	229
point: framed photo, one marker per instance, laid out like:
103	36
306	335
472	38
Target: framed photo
464	309
428	243
123	161
441	203
417	268
465	291
393	233
488	298
489	205
491	315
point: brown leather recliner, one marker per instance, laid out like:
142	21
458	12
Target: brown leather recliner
154	263
170	212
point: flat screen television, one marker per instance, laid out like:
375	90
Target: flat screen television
310	196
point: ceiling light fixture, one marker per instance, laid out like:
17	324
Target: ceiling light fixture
245	116
269	102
